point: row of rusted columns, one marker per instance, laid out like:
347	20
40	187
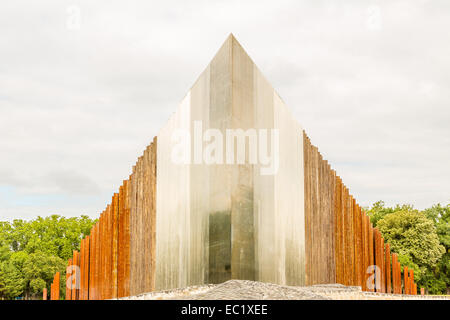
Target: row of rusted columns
117	258
54	288
359	255
388	271
94	272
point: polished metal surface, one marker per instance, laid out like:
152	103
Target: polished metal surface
217	222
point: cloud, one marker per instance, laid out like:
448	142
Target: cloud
368	80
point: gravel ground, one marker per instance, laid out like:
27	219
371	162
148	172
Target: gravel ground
252	290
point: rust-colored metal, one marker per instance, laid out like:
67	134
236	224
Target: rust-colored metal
338	230
57	281
92	256
115	246
106	256
422	291
351	231
101	270
81	290
124	242
387	268
377	250
405	280
69	280
347	244
74	282
44	294
383	265
77	270
411	281
97	261
358	244
344	240
394	274
85	274
371	250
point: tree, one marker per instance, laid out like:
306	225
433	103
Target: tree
438	278
379	210
31	252
39	268
414	237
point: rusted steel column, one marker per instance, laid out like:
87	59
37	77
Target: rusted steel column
124	244
57	285
78	275
307	195
69	280
388	268
337	230
343	234
352	280
422	291
383	265
347	244
73	283
365	250
358	246
87	250
107	246
98	259
84	265
109	252
405	280
52	291
96	262
101	270
75	275
126	240
377	250
115	246
411	281
108	278
371	248
81	290
44	294
73	293
153	215
92	264
120	262
394	273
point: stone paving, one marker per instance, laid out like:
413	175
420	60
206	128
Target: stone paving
252	290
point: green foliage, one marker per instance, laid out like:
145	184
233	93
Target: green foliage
411	233
31	252
378	211
421	239
438	278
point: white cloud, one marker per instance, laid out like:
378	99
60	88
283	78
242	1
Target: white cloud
77	106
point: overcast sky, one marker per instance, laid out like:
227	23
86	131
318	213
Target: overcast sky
85	85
